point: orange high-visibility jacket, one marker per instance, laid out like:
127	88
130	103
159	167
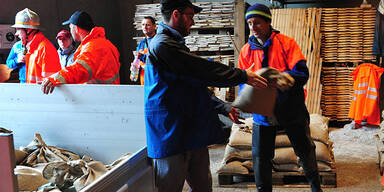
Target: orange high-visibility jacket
365	101
41	59
96	61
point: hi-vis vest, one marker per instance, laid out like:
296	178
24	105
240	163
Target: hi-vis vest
41	59
96	61
365	101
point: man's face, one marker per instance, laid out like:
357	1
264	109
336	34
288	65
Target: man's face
64	42
259	27
20	33
149	28
185	22
74	33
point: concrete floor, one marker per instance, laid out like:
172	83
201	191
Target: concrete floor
356	163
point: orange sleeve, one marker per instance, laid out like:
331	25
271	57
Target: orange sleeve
243	62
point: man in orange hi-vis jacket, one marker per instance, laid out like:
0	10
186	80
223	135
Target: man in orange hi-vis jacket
96	60
40	55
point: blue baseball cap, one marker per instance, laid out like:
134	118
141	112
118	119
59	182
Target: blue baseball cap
170	5
81	19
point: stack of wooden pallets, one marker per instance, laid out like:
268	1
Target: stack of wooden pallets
303	25
347	34
337	92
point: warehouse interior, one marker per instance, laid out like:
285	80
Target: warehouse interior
334	36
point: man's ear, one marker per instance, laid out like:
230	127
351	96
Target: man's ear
176	13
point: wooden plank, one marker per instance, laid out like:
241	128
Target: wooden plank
239	28
101	121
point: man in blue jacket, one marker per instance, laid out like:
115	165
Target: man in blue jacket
180	117
16	59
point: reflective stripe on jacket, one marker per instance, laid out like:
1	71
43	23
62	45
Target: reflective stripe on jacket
365	101
96	61
41	59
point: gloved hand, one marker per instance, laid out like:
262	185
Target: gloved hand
280	80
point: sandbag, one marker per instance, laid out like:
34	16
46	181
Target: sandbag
19	156
41	153
234	154
286	167
282	140
93	170
323	153
29	179
319	128
285	155
240	138
78	172
248	164
234	167
116	162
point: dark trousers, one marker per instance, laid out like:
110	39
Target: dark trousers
191	166
263	149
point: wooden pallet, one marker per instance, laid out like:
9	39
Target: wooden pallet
279	179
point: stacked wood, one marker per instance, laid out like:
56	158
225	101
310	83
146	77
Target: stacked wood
347	34
337	92
213	15
304	26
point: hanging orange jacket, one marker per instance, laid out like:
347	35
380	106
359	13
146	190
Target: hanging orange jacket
365	101
96	61
41	59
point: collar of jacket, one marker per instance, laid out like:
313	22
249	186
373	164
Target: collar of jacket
96	32
36	40
255	43
67	51
164	28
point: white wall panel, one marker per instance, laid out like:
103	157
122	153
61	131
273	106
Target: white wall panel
101	121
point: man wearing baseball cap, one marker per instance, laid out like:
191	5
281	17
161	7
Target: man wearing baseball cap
267	47
180	117
66	48
96	60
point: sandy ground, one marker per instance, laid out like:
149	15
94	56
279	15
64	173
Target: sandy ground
355	156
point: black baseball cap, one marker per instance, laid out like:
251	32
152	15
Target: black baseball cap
169	5
81	19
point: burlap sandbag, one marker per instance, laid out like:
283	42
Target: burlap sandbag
29	179
319	128
323	153
240	138
248	164
19	156
282	140
285	155
235	154
93	170
262	101
78	172
41	153
286	167
234	167
118	161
